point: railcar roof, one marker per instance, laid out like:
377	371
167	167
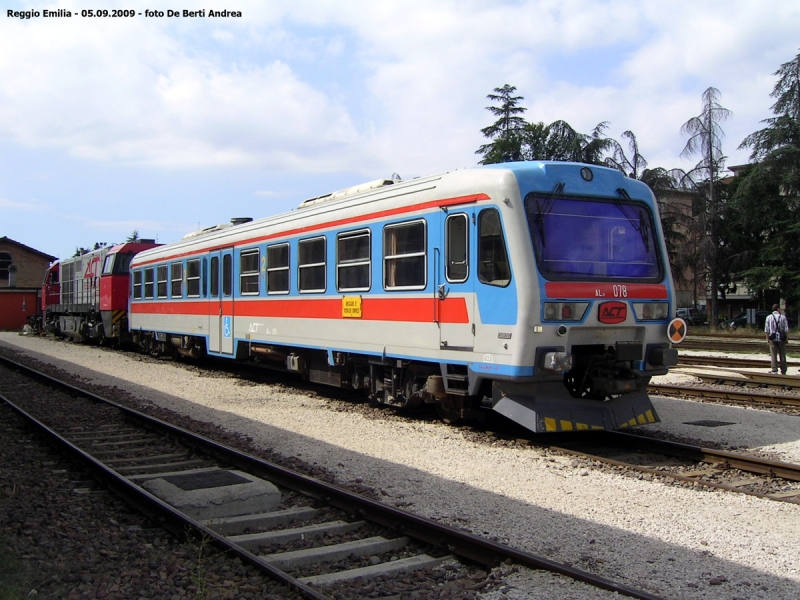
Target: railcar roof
540	176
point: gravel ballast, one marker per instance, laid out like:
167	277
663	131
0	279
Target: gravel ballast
673	541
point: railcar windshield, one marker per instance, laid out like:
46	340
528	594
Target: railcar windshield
117	263
584	239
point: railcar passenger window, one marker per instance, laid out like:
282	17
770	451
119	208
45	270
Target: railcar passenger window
404	257
227	275
215	276
137	285
278	269
311	265
353	261
248	272
493	267
457	244
177	280
161	273
193	278
148	283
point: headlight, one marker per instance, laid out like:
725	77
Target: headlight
564	311
651	311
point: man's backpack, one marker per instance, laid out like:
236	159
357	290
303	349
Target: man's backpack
780	333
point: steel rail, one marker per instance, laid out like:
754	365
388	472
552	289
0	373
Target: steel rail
458	542
742	462
722	343
751	379
723	459
690	360
165	515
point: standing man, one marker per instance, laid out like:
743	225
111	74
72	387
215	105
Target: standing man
777	329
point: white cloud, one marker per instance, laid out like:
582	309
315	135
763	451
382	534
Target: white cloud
30	206
407	81
131	92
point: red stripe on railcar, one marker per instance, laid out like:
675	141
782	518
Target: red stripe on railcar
571	289
416	310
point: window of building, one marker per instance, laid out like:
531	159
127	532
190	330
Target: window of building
404	256
148	282
278	269
137	285
248	271
311	265
193	278
457	248
162	276
5	267
353	261
493	266
177	280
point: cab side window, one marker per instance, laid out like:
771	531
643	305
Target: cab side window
493	266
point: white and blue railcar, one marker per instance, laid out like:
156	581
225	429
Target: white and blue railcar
540	290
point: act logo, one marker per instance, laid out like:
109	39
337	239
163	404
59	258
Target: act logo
612	312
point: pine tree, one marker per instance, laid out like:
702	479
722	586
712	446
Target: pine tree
505	132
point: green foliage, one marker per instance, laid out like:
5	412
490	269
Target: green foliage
80	250
747	230
515	139
505	131
16	579
765	207
705	138
705	133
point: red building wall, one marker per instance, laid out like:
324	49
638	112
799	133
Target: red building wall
15	308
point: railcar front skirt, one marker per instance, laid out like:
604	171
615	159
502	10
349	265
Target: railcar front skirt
548	406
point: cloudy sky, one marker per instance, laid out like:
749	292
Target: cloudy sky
164	125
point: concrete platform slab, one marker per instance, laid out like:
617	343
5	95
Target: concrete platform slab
215	494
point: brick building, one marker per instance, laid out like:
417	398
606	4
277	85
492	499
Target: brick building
22	270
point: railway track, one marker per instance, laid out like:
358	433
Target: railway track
747	398
317	538
732	344
690	360
689	464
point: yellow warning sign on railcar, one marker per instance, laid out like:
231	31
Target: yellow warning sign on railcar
676	330
351	307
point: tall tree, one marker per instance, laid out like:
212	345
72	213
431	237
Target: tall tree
505	131
705	138
560	141
777	146
767	200
633	165
675	191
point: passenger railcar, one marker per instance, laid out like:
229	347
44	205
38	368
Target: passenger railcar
540	290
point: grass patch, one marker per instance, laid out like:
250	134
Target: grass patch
13	582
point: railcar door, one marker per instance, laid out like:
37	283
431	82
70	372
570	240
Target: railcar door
455	295
221	301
